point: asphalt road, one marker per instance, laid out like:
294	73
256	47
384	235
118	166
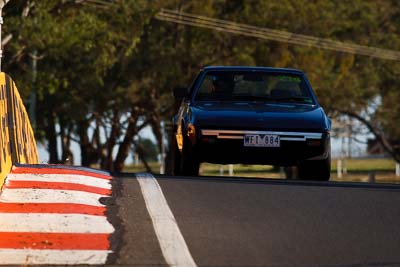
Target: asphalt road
241	222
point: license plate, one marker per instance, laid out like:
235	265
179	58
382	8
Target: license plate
262	140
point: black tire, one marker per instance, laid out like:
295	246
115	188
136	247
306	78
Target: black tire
190	162
317	170
291	172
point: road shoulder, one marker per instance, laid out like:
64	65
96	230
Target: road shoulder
139	243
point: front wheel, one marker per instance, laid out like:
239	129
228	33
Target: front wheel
190	162
318	170
190	165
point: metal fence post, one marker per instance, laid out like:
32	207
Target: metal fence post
230	168
339	168
162	152
282	172
221	170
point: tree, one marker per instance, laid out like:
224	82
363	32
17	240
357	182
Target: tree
83	74
106	70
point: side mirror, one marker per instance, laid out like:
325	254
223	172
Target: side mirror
180	92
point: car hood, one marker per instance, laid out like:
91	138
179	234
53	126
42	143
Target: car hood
259	116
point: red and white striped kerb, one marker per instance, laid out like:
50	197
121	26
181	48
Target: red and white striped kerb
50	214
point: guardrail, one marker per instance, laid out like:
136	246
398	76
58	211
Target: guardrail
17	141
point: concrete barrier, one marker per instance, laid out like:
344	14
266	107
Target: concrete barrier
17	141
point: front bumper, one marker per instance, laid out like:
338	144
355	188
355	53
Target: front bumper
227	147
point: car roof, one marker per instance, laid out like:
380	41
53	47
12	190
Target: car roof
249	68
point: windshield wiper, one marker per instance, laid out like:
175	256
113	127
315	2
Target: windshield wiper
252	98
301	99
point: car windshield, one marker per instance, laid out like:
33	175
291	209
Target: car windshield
254	86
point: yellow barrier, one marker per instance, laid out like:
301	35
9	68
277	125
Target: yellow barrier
5	149
17	144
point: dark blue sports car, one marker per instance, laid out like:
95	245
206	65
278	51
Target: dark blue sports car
251	115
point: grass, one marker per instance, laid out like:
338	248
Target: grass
366	165
155	166
358	170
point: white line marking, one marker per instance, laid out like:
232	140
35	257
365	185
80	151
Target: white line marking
172	243
52	256
27	195
61	178
54	223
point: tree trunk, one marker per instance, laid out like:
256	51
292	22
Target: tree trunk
379	135
89	155
107	162
51	136
65	134
169	158
140	151
126	144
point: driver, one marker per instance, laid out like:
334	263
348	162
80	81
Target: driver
223	84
